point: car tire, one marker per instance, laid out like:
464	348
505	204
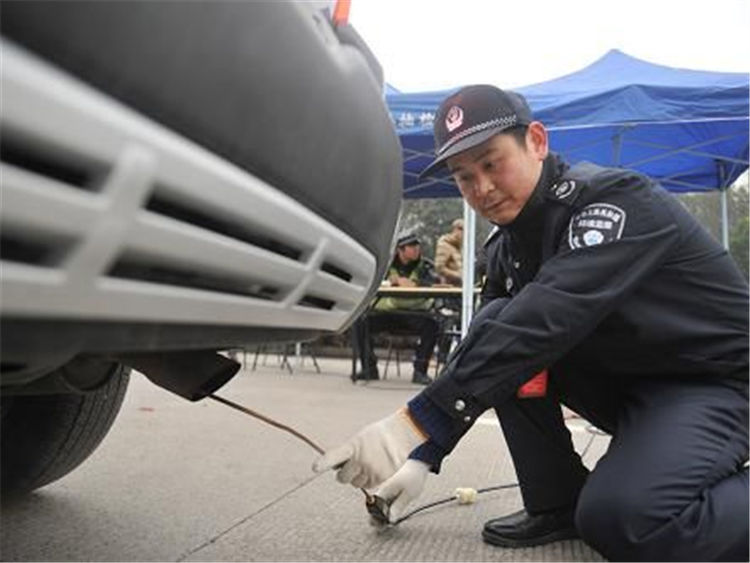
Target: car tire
44	437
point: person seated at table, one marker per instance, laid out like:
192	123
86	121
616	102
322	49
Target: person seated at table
448	254
403	314
448	265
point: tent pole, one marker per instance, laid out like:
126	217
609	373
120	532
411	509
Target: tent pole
616	149
467	291
724	219
724	208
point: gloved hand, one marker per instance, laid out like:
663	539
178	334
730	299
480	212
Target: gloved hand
376	452
405	486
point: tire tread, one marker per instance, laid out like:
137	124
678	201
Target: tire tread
36	452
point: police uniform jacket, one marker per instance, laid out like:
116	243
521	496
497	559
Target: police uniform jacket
604	270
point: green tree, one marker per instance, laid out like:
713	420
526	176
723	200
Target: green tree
433	217
738	245
706	207
739	208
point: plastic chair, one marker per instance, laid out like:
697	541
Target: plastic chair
395	342
290	349
454	336
265	350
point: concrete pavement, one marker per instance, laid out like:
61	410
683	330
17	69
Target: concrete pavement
180	481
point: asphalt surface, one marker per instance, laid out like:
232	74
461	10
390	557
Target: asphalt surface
180	481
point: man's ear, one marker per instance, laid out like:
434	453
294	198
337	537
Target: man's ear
537	140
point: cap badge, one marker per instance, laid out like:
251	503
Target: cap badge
565	189
454	118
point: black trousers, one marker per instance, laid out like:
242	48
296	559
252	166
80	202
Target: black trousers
422	324
672	485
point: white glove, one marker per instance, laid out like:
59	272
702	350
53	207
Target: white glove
375	453
405	486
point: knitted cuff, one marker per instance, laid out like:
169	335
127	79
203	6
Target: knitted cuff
430	418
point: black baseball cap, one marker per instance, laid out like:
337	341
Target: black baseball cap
471	116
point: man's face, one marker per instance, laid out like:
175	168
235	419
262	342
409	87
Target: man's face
497	177
409	252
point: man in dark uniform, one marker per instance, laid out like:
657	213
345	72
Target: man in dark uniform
411	315
605	295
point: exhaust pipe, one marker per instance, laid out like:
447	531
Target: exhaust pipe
190	374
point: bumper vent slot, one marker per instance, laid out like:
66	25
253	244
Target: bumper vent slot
316	302
50	163
143	270
336	271
33	251
183	213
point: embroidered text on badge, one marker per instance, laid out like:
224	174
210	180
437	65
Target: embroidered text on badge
597	223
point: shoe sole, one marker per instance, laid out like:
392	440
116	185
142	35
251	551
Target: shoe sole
504	541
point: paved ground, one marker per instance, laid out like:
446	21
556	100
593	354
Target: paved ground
177	481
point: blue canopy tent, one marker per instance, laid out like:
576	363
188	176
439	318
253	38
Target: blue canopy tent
686	129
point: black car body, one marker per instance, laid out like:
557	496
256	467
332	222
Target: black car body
179	178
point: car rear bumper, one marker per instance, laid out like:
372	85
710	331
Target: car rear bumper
243	187
167	233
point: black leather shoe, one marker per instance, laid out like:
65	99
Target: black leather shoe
366	375
421	378
522	529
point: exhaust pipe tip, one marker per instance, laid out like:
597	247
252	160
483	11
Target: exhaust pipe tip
192	375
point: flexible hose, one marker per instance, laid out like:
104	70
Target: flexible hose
370	499
591	429
299	435
272	422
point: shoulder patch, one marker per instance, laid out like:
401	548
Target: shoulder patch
597	223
